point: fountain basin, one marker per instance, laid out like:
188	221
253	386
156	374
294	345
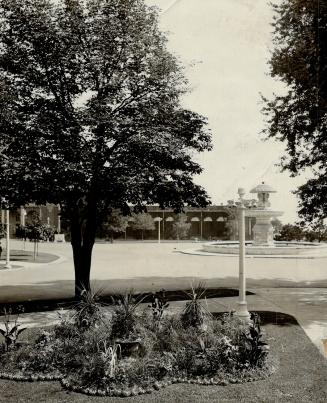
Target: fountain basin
280	248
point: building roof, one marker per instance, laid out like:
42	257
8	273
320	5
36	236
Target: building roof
263	188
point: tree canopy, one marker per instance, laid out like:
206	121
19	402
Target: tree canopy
91	115
180	226
143	222
298	115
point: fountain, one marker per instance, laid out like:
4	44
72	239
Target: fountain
263	233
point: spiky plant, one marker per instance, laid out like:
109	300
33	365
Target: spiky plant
124	317
12	329
88	309
195	314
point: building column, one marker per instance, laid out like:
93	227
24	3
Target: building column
59	221
22	216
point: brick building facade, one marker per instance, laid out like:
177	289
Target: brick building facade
211	223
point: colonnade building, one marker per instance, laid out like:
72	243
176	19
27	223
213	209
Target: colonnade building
210	223
216	222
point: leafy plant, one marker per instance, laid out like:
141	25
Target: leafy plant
181	227
158	306
195	313
111	355
253	350
12	330
88	309
143	222
124	317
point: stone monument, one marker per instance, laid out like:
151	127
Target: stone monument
263	232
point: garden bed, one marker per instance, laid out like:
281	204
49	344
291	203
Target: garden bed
131	351
301	377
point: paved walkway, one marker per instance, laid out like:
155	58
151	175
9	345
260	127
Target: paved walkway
294	286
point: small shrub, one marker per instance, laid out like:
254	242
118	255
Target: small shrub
158	306
93	371
11	330
124	317
252	350
195	314
88	310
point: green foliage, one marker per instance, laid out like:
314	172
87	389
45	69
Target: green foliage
315	231
87	311
277	226
158	306
195	314
124	316
34	229
181	227
115	224
21	232
290	232
253	350
143	222
93	357
298	115
91	114
11	329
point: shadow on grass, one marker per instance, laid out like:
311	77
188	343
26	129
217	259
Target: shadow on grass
43	305
28	256
269	318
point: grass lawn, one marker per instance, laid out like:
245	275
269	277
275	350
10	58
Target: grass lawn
28	256
301	377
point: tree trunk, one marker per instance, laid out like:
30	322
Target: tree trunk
83	230
82	265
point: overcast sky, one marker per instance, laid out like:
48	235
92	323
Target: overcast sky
230	40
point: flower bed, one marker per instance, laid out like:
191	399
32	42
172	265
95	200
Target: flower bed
129	351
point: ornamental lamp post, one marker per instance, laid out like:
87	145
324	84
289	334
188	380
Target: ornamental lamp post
7	265
158	219
242	310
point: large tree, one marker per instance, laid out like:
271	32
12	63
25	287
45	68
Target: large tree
181	227
143	222
90	114
298	115
116	223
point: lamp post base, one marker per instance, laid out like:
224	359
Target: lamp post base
7	266
242	311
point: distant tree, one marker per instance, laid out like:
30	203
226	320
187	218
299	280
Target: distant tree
116	224
316	231
91	115
290	232
181	227
143	222
297	115
21	232
277	226
47	232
